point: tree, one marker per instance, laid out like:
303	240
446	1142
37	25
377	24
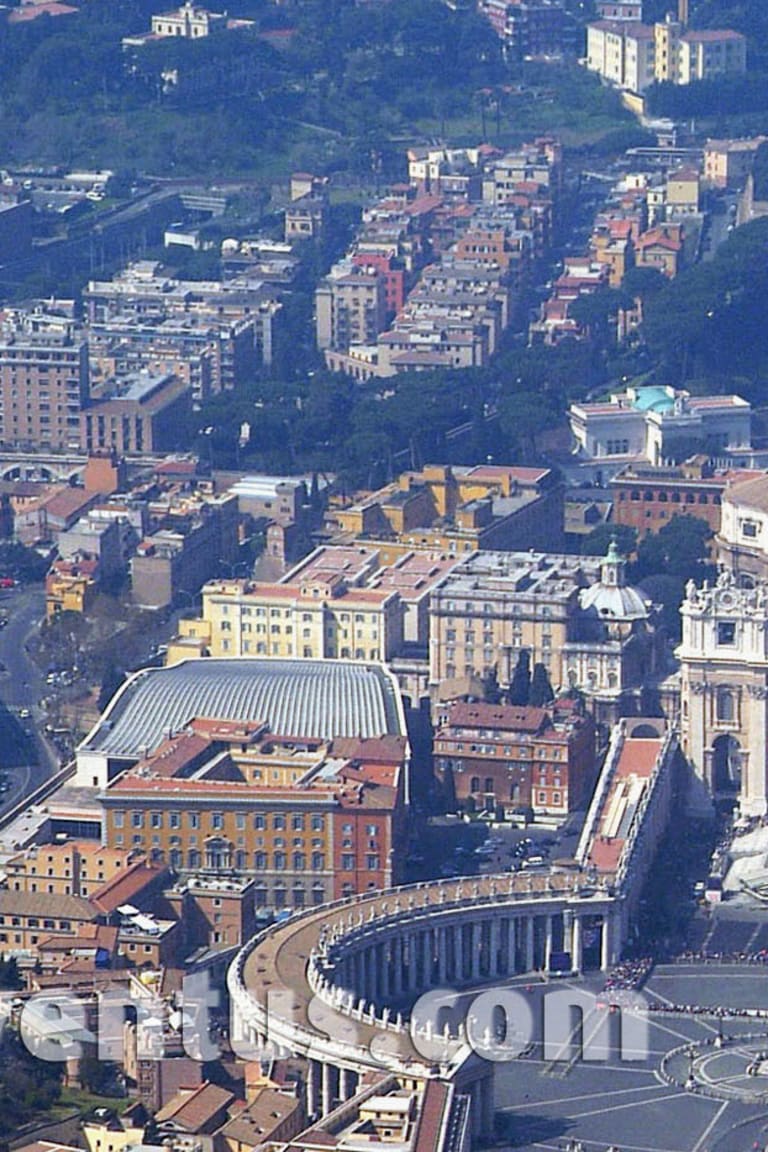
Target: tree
520	686
541	692
110	682
597	541
9	974
667	559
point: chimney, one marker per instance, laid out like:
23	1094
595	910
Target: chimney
682	12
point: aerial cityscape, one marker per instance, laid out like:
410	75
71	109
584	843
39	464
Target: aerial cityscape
384	576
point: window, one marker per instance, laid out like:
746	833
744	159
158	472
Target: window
299	862
194	819
348	861
137	819
279	823
474	784
297	822
318	823
117	819
174	820
372	863
279	861
725	705
318	862
749	528
156	819
726	632
217	821
259	861
259	823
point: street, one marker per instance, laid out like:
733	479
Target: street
25	759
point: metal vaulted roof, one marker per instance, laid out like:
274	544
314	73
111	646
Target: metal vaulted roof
320	698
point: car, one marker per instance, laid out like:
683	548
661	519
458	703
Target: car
7	582
24	713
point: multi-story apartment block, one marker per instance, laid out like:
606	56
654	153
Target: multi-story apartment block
728	163
633	55
143	317
135	414
532	27
504	759
351	306
44	381
74	868
192	537
313	616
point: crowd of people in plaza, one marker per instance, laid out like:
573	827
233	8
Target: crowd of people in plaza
629	974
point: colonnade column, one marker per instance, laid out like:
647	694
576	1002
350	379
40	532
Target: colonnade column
576	943
511	946
413	974
442	955
528	930
313	1087
606	942
493	949
327	1089
347	1083
458	952
396	966
548	944
476	936
427	952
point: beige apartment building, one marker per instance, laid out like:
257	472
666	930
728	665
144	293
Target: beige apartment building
44	381
315	617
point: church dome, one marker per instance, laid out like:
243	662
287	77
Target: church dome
611	598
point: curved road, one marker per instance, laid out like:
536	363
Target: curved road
26	758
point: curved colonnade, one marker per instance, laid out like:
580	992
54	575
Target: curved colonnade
335	984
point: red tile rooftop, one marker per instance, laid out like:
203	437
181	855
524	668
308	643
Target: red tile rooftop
509	718
31	11
712	35
126	885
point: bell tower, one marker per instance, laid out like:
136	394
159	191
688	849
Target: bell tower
724	693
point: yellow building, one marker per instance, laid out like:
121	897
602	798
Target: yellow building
457	510
314	618
70	586
75	868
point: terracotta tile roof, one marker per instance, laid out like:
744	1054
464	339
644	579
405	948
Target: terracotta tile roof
46	905
197	1110
258	1121
126	885
507	717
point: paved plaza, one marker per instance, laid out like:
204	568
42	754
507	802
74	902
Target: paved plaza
684	1094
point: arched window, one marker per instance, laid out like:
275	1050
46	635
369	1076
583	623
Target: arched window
474	784
725	705
489	784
